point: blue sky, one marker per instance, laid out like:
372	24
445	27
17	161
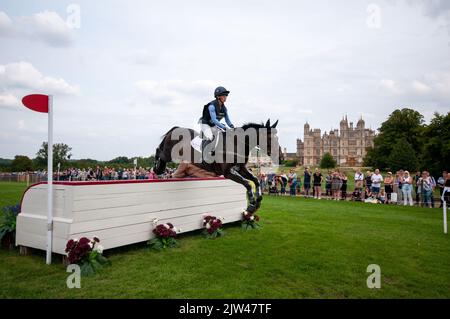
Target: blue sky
133	69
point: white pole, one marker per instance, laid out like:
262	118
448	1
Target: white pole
50	181
445	218
446	189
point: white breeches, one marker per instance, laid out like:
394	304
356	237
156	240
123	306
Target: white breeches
208	131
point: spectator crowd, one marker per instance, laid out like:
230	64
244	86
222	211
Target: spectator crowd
109	173
401	188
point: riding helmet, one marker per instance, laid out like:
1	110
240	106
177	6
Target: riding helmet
219	91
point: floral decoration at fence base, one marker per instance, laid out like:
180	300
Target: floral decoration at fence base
165	237
213	227
250	221
87	254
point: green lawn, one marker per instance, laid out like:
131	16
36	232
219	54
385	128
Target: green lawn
306	249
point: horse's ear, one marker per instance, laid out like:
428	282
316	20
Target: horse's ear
275	125
268	123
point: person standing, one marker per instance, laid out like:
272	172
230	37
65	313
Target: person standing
433	187
307	181
317	180
328	185
359	179
368	180
400	176
335	185
416	187
407	189
152	174
426	189
376	180
388	186
292	182
284	181
343	177
441	185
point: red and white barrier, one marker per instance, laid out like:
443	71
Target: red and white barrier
122	212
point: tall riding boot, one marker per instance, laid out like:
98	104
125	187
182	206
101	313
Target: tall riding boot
207	154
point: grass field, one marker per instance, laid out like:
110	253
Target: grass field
306	249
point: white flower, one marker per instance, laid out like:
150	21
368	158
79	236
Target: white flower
245	213
208	226
252	217
90	244
99	249
167	226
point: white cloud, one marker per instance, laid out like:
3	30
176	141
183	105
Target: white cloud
8	101
390	86
421	88
24	75
6	24
46	26
21	124
140	57
174	91
436	8
432	84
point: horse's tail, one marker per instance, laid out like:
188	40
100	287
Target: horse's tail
160	157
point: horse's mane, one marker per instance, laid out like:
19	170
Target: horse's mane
256	126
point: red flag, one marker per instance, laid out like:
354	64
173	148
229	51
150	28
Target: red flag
36	102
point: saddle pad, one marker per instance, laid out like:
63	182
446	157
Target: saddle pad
196	143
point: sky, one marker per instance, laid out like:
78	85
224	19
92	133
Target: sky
123	72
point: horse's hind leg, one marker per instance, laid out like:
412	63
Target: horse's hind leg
238	178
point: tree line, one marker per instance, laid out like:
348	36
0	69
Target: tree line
406	142
62	155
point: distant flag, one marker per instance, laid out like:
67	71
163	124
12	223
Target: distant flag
36	102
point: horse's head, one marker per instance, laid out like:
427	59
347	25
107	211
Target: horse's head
273	146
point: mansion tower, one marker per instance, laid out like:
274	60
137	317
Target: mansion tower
348	146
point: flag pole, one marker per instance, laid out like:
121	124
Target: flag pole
444	204
50	181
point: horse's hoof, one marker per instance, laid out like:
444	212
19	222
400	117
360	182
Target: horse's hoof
251	209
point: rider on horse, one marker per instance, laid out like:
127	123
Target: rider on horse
213	113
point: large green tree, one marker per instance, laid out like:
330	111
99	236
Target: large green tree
405	125
21	163
61	154
327	161
403	156
435	156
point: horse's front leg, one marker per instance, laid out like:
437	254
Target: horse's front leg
235	176
249	175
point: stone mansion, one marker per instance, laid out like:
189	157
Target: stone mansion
348	145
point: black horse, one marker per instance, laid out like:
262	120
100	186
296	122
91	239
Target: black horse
234	168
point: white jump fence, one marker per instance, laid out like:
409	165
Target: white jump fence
122	212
